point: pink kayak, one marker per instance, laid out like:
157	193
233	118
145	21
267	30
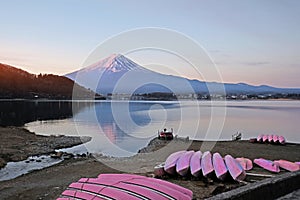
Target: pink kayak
281	139
265	138
270	138
170	164
259	138
245	163
219	166
183	163
235	169
287	165
267	164
195	164
275	138
206	164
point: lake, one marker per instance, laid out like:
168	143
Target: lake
121	128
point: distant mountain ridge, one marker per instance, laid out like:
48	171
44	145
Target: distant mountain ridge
17	83
118	74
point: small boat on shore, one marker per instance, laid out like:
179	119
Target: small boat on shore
245	163
275	139
219	166
236	136
206	164
267	164
265	138
281	139
195	164
259	138
287	165
235	169
183	163
270	138
170	164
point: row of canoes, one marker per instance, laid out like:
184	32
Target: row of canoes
270	139
124	186
206	164
274	166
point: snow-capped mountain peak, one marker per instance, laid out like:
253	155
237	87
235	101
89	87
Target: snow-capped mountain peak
114	63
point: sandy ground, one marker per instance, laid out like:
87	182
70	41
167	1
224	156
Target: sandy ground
50	182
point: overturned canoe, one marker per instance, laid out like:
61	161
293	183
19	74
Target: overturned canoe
170	164
287	165
219	166
265	138
259	138
270	138
235	169
275	138
281	139
115	178
183	163
245	163
195	164
267	164
206	164
134	185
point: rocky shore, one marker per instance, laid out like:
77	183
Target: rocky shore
50	182
18	143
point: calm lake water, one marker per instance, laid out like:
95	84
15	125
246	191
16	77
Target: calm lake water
121	128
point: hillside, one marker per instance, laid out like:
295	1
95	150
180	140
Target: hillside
17	83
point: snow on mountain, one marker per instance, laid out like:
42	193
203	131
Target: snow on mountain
118	74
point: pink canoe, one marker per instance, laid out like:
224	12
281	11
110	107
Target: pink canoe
170	164
206	164
245	163
298	163
141	187
270	138
275	138
265	138
267	164
219	166
195	164
259	138
115	178
287	165
281	140
183	163
235	169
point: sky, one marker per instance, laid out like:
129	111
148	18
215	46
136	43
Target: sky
251	41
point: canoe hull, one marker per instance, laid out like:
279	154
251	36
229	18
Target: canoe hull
219	166
183	163
195	164
235	169
287	165
267	164
206	164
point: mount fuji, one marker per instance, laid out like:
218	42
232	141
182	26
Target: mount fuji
118	74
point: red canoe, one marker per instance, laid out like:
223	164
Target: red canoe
267	164
235	169
245	163
170	164
183	163
206	164
195	164
287	165
219	166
